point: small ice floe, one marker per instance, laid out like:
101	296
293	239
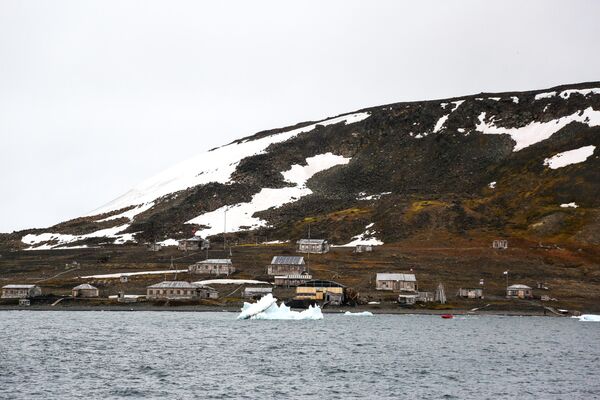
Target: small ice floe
569	205
267	308
492	185
359	314
588	318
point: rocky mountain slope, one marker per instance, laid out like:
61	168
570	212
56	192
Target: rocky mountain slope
518	164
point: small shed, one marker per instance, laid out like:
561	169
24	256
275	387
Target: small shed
396	282
501	244
425	297
326	291
213	266
519	291
363	248
286	265
315	246
154	247
292	280
85	290
21	291
256	292
407	298
172	290
194	243
206	292
471	293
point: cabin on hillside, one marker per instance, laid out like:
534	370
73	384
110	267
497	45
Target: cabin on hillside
519	291
213	266
292	280
194	243
470	293
396	282
321	291
315	246
363	248
256	292
21	291
286	265
154	247
85	290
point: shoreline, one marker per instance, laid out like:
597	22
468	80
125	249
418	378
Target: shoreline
236	309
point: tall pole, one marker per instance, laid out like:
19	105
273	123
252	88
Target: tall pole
225	232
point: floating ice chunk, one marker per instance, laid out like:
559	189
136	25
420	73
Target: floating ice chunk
267	308
569	157
588	318
359	314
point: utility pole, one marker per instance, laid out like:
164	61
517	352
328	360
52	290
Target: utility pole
225	232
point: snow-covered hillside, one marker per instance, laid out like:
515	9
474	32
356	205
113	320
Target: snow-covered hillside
373	176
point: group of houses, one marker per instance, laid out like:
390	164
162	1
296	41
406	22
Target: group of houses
287	272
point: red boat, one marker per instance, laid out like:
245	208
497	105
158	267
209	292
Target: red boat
447	316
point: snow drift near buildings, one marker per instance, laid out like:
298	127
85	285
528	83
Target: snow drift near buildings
569	157
267	308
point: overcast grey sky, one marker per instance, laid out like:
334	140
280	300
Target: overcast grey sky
96	96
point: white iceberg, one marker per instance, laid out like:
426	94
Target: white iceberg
588	318
267	308
360	314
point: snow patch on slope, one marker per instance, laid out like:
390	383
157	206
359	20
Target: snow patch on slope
537	131
569	157
216	165
365	238
240	216
61	240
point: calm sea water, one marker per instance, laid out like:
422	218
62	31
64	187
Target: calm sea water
168	355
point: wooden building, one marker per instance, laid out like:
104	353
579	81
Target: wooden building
194	243
425	297
519	291
85	290
20	291
315	246
363	248
206	292
407	298
292	280
213	266
501	244
321	291
286	265
154	247
256	292
396	282
471	293
172	290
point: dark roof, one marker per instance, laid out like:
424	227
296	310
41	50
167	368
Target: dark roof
319	283
288	260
